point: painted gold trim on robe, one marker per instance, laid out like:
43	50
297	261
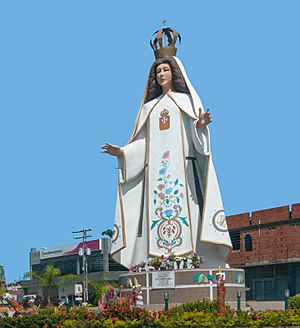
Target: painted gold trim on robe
146	119
182	109
186	180
122	219
204	208
185	175
124	166
147	182
137	130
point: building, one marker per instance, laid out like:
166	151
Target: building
68	260
15	289
266	244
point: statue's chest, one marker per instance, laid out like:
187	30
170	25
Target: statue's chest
165	117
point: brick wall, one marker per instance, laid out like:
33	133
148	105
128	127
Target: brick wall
271	215
271	242
238	220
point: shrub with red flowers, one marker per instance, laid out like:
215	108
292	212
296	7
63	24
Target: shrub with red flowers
124	315
125	311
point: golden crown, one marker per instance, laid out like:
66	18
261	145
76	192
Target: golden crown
164	42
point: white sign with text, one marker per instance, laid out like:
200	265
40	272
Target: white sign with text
163	279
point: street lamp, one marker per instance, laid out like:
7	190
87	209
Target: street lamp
84	251
238	295
286	300
166	299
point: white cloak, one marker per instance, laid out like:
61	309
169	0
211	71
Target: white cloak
168	194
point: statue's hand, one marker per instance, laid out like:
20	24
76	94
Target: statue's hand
204	119
111	149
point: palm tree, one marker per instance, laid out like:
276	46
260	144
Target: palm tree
2	281
109	233
50	278
2	291
100	287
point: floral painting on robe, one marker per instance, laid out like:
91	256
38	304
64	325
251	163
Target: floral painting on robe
168	194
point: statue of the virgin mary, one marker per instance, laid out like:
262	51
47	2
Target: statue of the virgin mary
168	200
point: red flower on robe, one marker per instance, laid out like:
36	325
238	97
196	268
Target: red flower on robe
161	186
166	154
161	196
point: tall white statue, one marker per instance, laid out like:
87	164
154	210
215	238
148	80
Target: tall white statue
168	194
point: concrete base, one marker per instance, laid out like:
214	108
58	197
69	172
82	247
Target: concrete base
180	287
265	305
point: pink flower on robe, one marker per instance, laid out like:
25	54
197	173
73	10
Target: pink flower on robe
166	154
161	186
161	196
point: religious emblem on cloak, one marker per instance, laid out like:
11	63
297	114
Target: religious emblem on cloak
164	120
219	221
116	233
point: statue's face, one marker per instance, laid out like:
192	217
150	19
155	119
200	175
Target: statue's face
164	75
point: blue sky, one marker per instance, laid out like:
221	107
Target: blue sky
72	75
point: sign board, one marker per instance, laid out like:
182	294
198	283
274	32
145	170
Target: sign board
163	279
71	249
78	291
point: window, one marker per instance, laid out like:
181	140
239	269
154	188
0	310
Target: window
235	240
248	243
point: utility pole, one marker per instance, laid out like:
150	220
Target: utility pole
84	252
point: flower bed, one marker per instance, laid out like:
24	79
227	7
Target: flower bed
196	314
169	262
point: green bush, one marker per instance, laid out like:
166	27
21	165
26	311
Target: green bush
294	302
202	314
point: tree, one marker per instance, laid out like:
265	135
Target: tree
2	281
109	233
100	287
51	278
2	291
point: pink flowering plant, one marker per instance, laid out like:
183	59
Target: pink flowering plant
138	267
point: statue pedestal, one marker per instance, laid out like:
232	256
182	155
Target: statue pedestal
180	287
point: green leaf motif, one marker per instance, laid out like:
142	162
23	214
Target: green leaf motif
200	278
167	201
160	179
184	221
177	199
181	185
155	192
176	182
209	277
176	192
196	277
154	223
154	201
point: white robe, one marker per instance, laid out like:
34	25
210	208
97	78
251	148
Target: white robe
158	208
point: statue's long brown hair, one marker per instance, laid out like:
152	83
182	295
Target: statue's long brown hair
154	89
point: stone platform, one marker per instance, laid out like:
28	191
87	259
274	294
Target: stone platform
180	287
